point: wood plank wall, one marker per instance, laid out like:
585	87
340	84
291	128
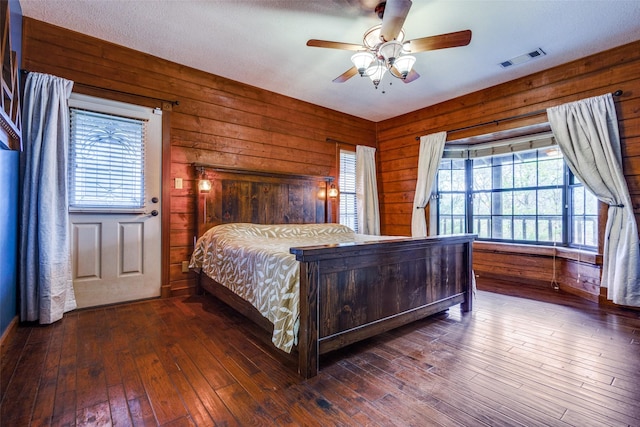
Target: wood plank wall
217	121
608	71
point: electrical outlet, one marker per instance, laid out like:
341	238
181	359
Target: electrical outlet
178	183
185	266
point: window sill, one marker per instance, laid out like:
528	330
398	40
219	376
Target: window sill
536	250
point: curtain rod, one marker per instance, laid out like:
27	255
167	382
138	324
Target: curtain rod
340	142
520	116
23	71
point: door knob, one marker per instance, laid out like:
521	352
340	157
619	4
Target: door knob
154	213
154	200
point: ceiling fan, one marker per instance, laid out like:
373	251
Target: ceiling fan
384	48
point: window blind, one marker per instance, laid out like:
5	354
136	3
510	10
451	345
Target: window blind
106	161
347	186
530	142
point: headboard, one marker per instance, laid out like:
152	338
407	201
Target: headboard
259	197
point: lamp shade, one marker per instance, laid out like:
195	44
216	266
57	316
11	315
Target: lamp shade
404	64
362	60
333	191
376	71
390	51
204	185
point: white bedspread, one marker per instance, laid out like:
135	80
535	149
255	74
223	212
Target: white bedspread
254	262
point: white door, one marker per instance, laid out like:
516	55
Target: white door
115	249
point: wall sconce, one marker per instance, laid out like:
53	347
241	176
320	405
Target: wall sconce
204	185
333	191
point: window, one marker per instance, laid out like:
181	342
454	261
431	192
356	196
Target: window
106	161
452	197
584	215
526	196
518	197
347	187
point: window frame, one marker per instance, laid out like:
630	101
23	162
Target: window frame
567	213
437	196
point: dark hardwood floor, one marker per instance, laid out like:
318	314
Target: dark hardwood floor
534	358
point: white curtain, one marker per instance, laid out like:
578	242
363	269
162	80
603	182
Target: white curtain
46	288
587	134
431	149
367	191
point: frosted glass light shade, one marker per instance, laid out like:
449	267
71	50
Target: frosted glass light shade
204	185
362	60
333	191
390	51
376	71
404	64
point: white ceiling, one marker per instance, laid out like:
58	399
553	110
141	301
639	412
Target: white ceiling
263	42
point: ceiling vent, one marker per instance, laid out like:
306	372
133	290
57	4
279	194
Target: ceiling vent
523	58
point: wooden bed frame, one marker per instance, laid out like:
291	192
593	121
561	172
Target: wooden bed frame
349	292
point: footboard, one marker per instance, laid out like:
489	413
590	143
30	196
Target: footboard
350	292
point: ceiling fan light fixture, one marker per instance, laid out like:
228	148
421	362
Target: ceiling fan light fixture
404	64
384	47
362	60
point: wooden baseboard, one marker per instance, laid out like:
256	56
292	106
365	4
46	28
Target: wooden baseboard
580	293
606	302
9	331
165	291
603	300
183	292
485	277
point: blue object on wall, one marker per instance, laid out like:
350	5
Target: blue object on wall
9	167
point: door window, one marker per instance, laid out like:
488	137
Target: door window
106	161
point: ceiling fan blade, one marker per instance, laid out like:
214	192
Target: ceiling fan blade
395	12
413	75
334	45
346	75
443	41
